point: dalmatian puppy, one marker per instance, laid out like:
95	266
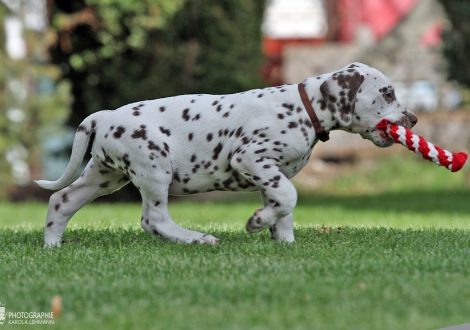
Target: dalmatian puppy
250	141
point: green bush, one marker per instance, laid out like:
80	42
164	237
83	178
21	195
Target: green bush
456	48
139	50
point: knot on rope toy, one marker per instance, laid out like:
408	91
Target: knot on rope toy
453	161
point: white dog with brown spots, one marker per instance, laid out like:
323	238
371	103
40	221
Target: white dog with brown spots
250	141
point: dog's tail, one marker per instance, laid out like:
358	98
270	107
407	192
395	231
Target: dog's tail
80	145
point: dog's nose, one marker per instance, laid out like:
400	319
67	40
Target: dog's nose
413	119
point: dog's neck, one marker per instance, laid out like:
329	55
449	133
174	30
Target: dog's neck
312	87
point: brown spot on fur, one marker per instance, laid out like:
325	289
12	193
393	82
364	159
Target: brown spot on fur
217	150
165	131
239	131
140	134
153	146
288	106
104	184
119	131
292	124
185	115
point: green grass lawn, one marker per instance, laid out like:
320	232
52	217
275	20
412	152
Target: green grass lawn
400	262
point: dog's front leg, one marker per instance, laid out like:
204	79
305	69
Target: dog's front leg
283	230
279	194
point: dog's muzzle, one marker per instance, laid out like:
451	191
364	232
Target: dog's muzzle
409	120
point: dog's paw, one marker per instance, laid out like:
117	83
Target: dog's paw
52	244
207	239
260	220
281	234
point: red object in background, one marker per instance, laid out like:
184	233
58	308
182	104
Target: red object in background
272	49
380	15
432	36
271	71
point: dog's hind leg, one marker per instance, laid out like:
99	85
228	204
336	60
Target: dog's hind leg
157	220
155	216
95	181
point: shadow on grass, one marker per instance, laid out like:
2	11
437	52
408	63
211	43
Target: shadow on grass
419	201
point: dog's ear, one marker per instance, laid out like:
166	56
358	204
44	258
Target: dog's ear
339	94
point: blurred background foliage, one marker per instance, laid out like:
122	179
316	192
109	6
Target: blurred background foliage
34	102
121	51
102	54
456	38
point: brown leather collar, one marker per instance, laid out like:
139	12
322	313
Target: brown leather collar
319	130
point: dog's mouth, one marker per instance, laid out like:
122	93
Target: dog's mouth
383	135
381	138
378	137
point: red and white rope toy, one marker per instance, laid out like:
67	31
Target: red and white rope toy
453	161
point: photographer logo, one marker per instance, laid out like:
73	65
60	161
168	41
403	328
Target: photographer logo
29	318
2	313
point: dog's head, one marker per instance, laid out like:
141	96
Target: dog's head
359	97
